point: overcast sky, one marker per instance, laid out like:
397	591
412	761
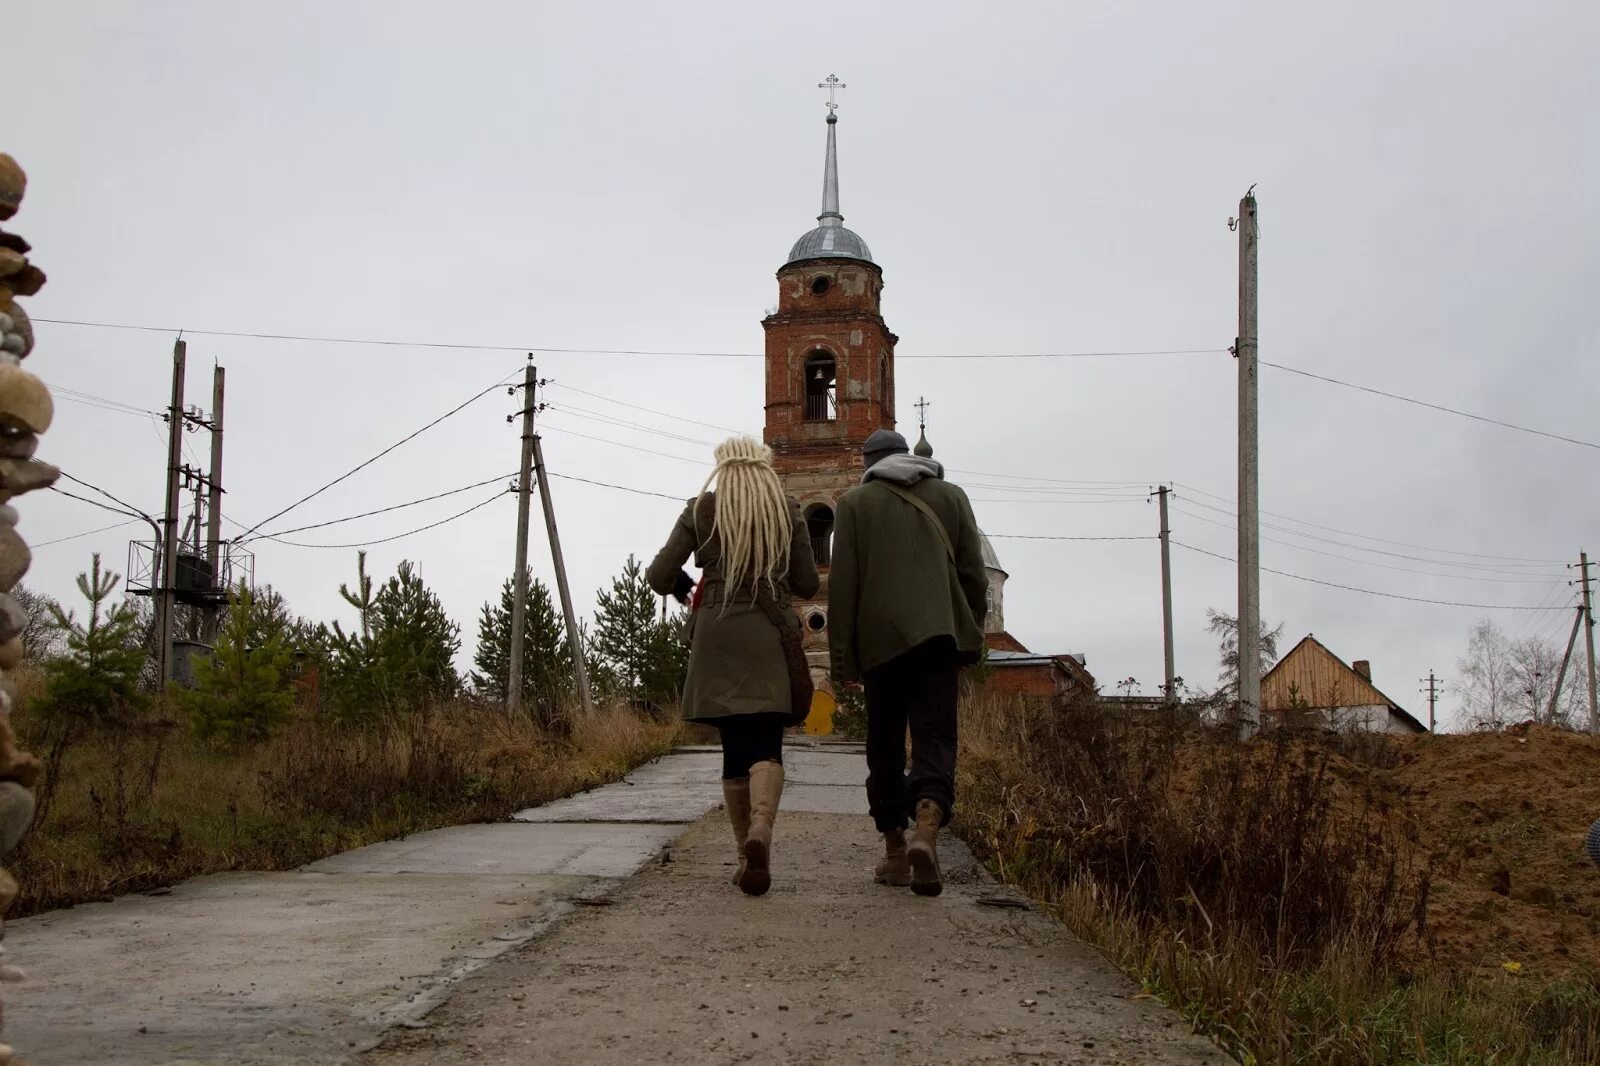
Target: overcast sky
1038	178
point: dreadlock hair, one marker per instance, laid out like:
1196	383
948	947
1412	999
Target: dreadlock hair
752	513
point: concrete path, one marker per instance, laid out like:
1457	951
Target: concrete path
600	928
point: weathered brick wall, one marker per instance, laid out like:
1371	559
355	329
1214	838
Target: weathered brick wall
832	306
25	412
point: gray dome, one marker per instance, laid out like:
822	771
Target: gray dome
991	561
829	242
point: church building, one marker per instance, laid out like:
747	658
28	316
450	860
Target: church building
830	382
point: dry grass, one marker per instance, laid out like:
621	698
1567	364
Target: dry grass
166	805
1258	889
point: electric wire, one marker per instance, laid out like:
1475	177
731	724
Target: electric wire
392	507
128	508
1041	536
1515	569
1507	559
1431	406
368	462
623	488
80	536
619	444
1370	592
1367	562
457	346
599	416
387	540
647	410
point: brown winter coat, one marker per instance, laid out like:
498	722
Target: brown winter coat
735	663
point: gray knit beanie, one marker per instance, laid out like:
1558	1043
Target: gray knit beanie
881	443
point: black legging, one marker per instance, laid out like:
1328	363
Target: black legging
748	739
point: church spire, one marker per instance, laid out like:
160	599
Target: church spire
830	240
830	175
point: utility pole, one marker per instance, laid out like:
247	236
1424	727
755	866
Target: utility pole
519	604
573	640
1170	688
1432	690
1588	640
167	566
1245	350
1561	675
214	515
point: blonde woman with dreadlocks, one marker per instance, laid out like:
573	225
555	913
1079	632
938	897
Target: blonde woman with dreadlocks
750	543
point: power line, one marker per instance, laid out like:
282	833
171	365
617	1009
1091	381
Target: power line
362	465
600	416
1430	406
397	536
1508	559
623	488
638	407
130	509
1368	562
1515	569
1033	536
80	536
452	346
386	510
1372	592
617	443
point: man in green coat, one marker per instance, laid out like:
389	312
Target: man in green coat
907	595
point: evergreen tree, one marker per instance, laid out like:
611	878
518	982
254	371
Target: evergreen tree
93	684
641	655
244	691
546	662
416	642
403	656
96	681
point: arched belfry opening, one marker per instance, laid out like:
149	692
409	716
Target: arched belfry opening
821	379
819	526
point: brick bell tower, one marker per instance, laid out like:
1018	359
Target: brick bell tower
830	382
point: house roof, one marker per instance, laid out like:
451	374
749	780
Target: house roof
1313	674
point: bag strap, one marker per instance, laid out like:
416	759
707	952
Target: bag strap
920	504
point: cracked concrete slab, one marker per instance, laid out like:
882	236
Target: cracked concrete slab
610	849
318	964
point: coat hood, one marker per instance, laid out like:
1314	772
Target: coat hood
903	469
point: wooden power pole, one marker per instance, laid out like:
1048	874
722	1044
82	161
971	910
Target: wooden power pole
1432	690
166	566
519	603
1561	675
214	511
1170	687
1245	350
574	640
1588	640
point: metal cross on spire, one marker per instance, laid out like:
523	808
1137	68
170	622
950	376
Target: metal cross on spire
922	406
831	84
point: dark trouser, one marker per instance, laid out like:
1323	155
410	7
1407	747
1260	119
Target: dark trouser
748	739
916	689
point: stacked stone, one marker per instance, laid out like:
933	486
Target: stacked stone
25	412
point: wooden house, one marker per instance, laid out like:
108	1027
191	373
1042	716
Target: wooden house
1311	683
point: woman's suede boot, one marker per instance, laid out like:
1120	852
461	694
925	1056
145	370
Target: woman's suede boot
923	851
736	794
766	789
894	868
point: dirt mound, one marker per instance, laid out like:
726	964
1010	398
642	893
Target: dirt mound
1504	816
